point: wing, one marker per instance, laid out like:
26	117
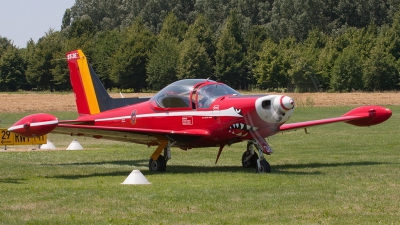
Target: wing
361	116
134	135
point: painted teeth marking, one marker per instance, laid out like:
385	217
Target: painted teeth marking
242	126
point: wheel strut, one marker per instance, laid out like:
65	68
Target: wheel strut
262	147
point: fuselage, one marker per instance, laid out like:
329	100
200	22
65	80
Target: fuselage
229	117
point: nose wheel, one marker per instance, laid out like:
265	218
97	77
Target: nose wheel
263	166
250	158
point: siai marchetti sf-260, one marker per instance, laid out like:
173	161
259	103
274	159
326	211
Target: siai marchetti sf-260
187	114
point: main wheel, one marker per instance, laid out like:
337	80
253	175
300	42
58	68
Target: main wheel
252	162
159	165
264	167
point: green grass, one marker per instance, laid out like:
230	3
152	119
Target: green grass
336	174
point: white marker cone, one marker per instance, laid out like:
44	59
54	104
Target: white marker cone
136	177
75	145
48	146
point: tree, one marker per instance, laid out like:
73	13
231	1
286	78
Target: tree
39	72
381	71
66	21
129	63
271	69
215	10
163	61
81	27
324	63
60	72
255	11
154	12
388	39
5	43
104	14
230	57
254	39
304	62
392	33
302	72
347	72
293	18
201	30
104	52
12	74
193	60
362	13
173	28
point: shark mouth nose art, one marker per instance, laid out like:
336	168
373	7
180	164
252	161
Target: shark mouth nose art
240	129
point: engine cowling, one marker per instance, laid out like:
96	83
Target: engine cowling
274	108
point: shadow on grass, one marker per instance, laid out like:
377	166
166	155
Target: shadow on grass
297	169
285	167
11	181
119	163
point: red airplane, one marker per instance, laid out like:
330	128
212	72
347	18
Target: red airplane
187	114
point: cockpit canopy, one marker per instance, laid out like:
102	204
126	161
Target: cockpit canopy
191	94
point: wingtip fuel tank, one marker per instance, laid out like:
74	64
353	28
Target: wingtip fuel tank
34	125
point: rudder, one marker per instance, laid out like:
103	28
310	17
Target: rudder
82	84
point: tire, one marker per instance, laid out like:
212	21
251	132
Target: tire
252	163
159	165
265	167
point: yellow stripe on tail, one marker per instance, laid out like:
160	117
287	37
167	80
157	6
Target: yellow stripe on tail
88	84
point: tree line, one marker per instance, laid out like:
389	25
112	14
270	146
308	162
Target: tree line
281	45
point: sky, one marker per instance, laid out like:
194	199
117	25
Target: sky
21	20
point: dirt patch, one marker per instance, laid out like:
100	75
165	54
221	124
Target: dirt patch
342	99
44	102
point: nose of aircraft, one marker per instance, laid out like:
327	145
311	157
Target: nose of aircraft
284	103
274	108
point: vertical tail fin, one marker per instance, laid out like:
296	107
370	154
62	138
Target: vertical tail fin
90	95
83	84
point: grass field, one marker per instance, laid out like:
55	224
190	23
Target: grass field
336	174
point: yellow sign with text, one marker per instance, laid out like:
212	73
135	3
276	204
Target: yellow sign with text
9	138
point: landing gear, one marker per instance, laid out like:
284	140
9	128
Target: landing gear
158	162
159	165
251	159
263	166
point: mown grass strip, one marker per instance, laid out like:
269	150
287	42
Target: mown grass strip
336	174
